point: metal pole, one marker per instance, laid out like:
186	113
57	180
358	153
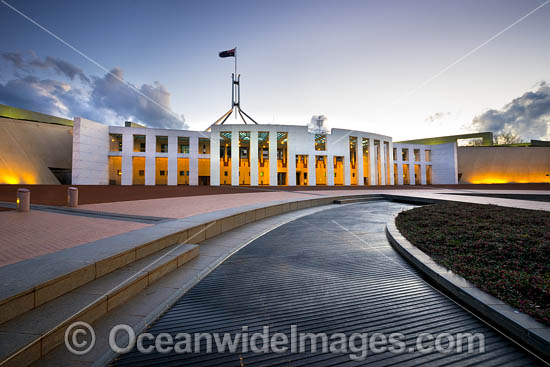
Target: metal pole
236	79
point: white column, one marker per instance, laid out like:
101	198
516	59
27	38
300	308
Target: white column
360	181
372	164
235	157
410	158
214	158
194	160
127	149
150	164
253	158
383	169
273	157
330	170
311	173
423	166
390	163
399	166
291	159
172	160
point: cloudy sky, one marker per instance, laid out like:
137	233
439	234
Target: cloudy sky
380	66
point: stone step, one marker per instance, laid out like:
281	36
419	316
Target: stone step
359	199
27	337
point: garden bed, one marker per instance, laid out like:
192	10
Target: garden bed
503	251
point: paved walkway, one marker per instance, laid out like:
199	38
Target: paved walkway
330	272
28	235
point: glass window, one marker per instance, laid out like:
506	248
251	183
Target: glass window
404	154
162	144
204	146
183	144
139	143
320	142
115	144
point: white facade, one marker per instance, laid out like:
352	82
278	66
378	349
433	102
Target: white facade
387	163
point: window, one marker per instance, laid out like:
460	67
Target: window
204	146
141	172
404	154
428	155
183	144
162	173
394	154
320	142
139	143
182	173
417	155
162	144
115	144
225	173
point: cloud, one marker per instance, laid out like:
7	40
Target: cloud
16	58
437	116
104	99
61	67
527	116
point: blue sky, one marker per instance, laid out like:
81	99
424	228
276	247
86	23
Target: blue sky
353	61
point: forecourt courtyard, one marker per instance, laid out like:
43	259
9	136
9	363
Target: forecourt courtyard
216	259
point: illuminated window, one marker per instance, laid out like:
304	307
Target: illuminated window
162	144
115	144
139	143
183	144
320	142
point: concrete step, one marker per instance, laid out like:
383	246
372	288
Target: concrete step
27	337
359	199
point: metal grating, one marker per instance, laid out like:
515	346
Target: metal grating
329	272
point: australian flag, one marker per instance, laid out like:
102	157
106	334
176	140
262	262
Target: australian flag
228	53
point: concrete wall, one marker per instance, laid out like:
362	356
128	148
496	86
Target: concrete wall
28	148
444	164
90	153
504	164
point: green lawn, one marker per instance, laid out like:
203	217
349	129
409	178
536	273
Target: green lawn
504	251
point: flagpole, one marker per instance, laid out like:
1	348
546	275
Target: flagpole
236	78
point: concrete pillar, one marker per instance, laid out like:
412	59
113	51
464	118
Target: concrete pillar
150	164
330	170
311	173
172	160
235	158
194	160
127	150
72	197
383	162
253	154
410	158
360	181
372	164
391	163
215	158
273	157
291	159
23	200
